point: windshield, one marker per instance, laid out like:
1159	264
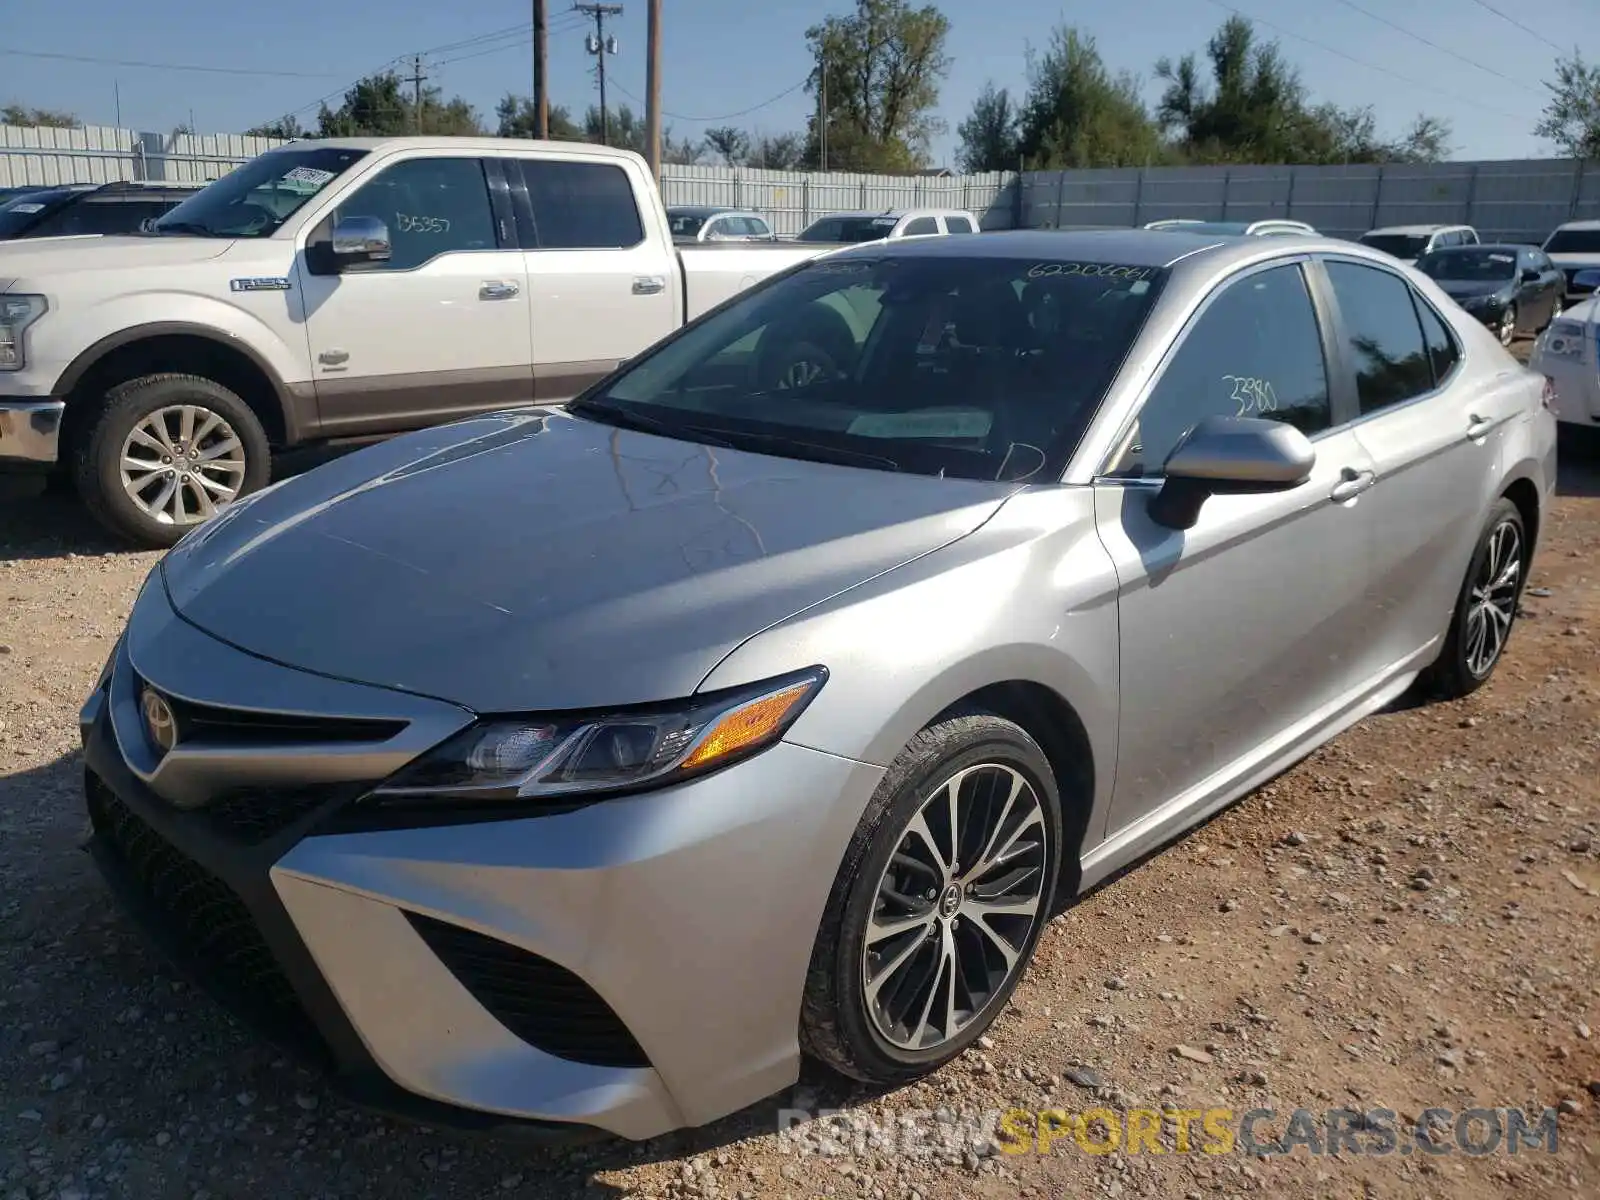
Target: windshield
1573	241
256	199
1487	266
685	224
1401	245
20	213
980	368
848	229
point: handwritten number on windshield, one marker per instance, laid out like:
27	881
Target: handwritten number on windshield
406	223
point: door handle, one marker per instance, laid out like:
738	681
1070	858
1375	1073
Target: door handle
1478	426
1351	485
649	285
495	289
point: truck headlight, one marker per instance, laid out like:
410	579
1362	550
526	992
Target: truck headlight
570	757
17	312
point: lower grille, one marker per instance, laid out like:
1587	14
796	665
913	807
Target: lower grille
252	815
543	1003
201	923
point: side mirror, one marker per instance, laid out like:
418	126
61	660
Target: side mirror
1529	275
1232	455
1586	279
360	239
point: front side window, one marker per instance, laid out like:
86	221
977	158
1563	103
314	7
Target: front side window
979	368
582	205
1254	351
431	206
257	198
1382	335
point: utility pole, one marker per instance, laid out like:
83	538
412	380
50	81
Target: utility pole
822	111
600	46
652	106
541	69
416	92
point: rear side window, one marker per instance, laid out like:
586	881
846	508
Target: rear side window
1382	335
582	206
1469	237
959	225
1255	351
1443	353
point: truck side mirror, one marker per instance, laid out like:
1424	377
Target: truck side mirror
360	240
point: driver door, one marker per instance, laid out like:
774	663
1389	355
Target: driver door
1237	631
438	331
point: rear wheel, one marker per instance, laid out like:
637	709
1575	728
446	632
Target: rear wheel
938	904
165	453
1507	329
1486	609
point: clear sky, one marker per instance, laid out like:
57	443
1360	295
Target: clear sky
722	57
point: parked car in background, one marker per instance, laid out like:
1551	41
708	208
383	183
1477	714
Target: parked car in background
447	759
692	223
1575	248
335	289
1569	354
1272	227
78	210
1514	290
1410	242
12	192
893	223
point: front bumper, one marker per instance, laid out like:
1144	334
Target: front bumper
30	431
1576	380
630	967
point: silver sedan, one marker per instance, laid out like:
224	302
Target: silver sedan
586	768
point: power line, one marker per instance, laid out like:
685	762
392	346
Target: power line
743	112
524	38
1361	62
167	66
1525	29
1353	6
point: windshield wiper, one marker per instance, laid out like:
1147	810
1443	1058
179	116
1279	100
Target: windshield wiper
627	418
193	227
818	451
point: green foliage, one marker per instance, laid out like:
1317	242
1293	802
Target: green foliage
515	114
883	64
383	105
989	137
1077	114
1572	116
21	114
288	128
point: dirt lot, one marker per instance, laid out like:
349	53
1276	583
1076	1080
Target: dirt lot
1409	919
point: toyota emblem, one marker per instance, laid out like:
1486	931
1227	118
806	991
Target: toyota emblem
159	720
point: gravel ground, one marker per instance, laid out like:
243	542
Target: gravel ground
1410	918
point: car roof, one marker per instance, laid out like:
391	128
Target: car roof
706	210
1124	247
897	213
1414	229
1585	225
486	144
1484	246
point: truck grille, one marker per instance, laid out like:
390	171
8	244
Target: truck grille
541	1002
201	923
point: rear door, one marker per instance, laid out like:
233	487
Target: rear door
1434	432
602	284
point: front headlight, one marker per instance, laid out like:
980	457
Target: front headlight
17	312
1564	339
572	757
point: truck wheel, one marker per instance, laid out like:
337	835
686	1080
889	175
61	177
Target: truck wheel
165	453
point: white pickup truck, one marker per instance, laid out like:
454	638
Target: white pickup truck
337	289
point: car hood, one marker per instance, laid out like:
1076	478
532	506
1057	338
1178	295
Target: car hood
537	560
1462	289
24	258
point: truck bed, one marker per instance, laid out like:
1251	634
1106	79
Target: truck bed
715	271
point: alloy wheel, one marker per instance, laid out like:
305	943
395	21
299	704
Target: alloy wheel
955	907
1493	599
1508	326
180	464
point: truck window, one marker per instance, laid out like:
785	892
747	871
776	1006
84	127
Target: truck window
958	224
432	206
921	225
582	206
107	215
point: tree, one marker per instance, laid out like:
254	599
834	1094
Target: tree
989	135
378	106
1077	114
1426	140
730	143
1572	115
777	152
624	129
45	118
288	128
516	117
883	64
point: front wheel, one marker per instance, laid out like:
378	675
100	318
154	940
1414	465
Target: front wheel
1507	329
938	904
1486	609
165	453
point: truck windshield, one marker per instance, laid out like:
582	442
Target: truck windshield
975	367
256	199
1401	245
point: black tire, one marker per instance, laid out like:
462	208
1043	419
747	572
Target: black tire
96	458
835	1025
1454	673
